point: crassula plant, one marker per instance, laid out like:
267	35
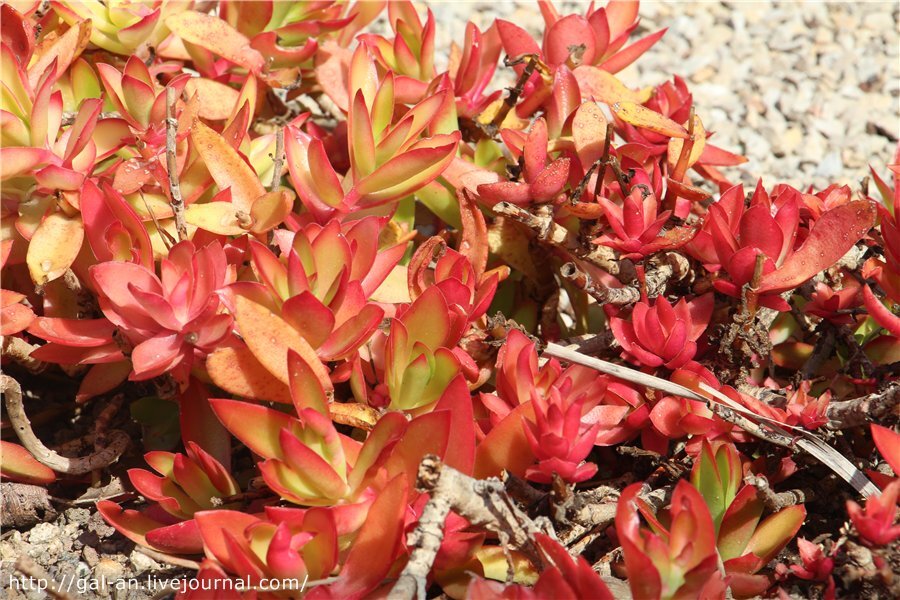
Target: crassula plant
424	335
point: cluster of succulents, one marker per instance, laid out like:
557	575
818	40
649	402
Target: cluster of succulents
337	260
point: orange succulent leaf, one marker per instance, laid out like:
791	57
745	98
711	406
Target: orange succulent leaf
269	338
102	378
17	464
628	55
227	167
54	247
880	313
739	523
130	523
216	100
605	87
506	447
699	145
204	435
353	333
775	532
17	32
377	545
216	217
643	117
113	228
685	553
256	426
14	317
474	243
218	528
404	174
875	522
270	210
62	49
312	175
236	370
426	434
457	401
713	155
178	538
307	390
717	474
588	132
217	36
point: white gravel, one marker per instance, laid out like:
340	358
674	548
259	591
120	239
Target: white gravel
809	92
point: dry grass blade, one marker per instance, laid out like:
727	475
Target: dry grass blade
776	433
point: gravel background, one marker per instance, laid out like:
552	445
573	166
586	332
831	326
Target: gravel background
809	92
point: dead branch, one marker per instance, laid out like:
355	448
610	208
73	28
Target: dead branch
165	558
823	350
853	413
773	500
19	351
509	102
483	502
550	231
117	440
600	293
24	505
667	267
31	569
83	297
521	490
591	343
766	395
172	164
278	160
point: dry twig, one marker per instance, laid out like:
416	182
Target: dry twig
28	567
860	411
117	440
483	502
19	351
172	164
552	232
773	500
166	558
278	160
24	505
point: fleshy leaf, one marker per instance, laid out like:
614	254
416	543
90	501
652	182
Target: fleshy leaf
227	167
832	235
54	246
17	464
217	36
640	116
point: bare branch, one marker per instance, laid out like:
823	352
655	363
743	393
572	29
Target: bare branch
28	567
483	502
552	232
117	440
664	269
773	500
83	297
278	160
19	351
172	164
853	413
